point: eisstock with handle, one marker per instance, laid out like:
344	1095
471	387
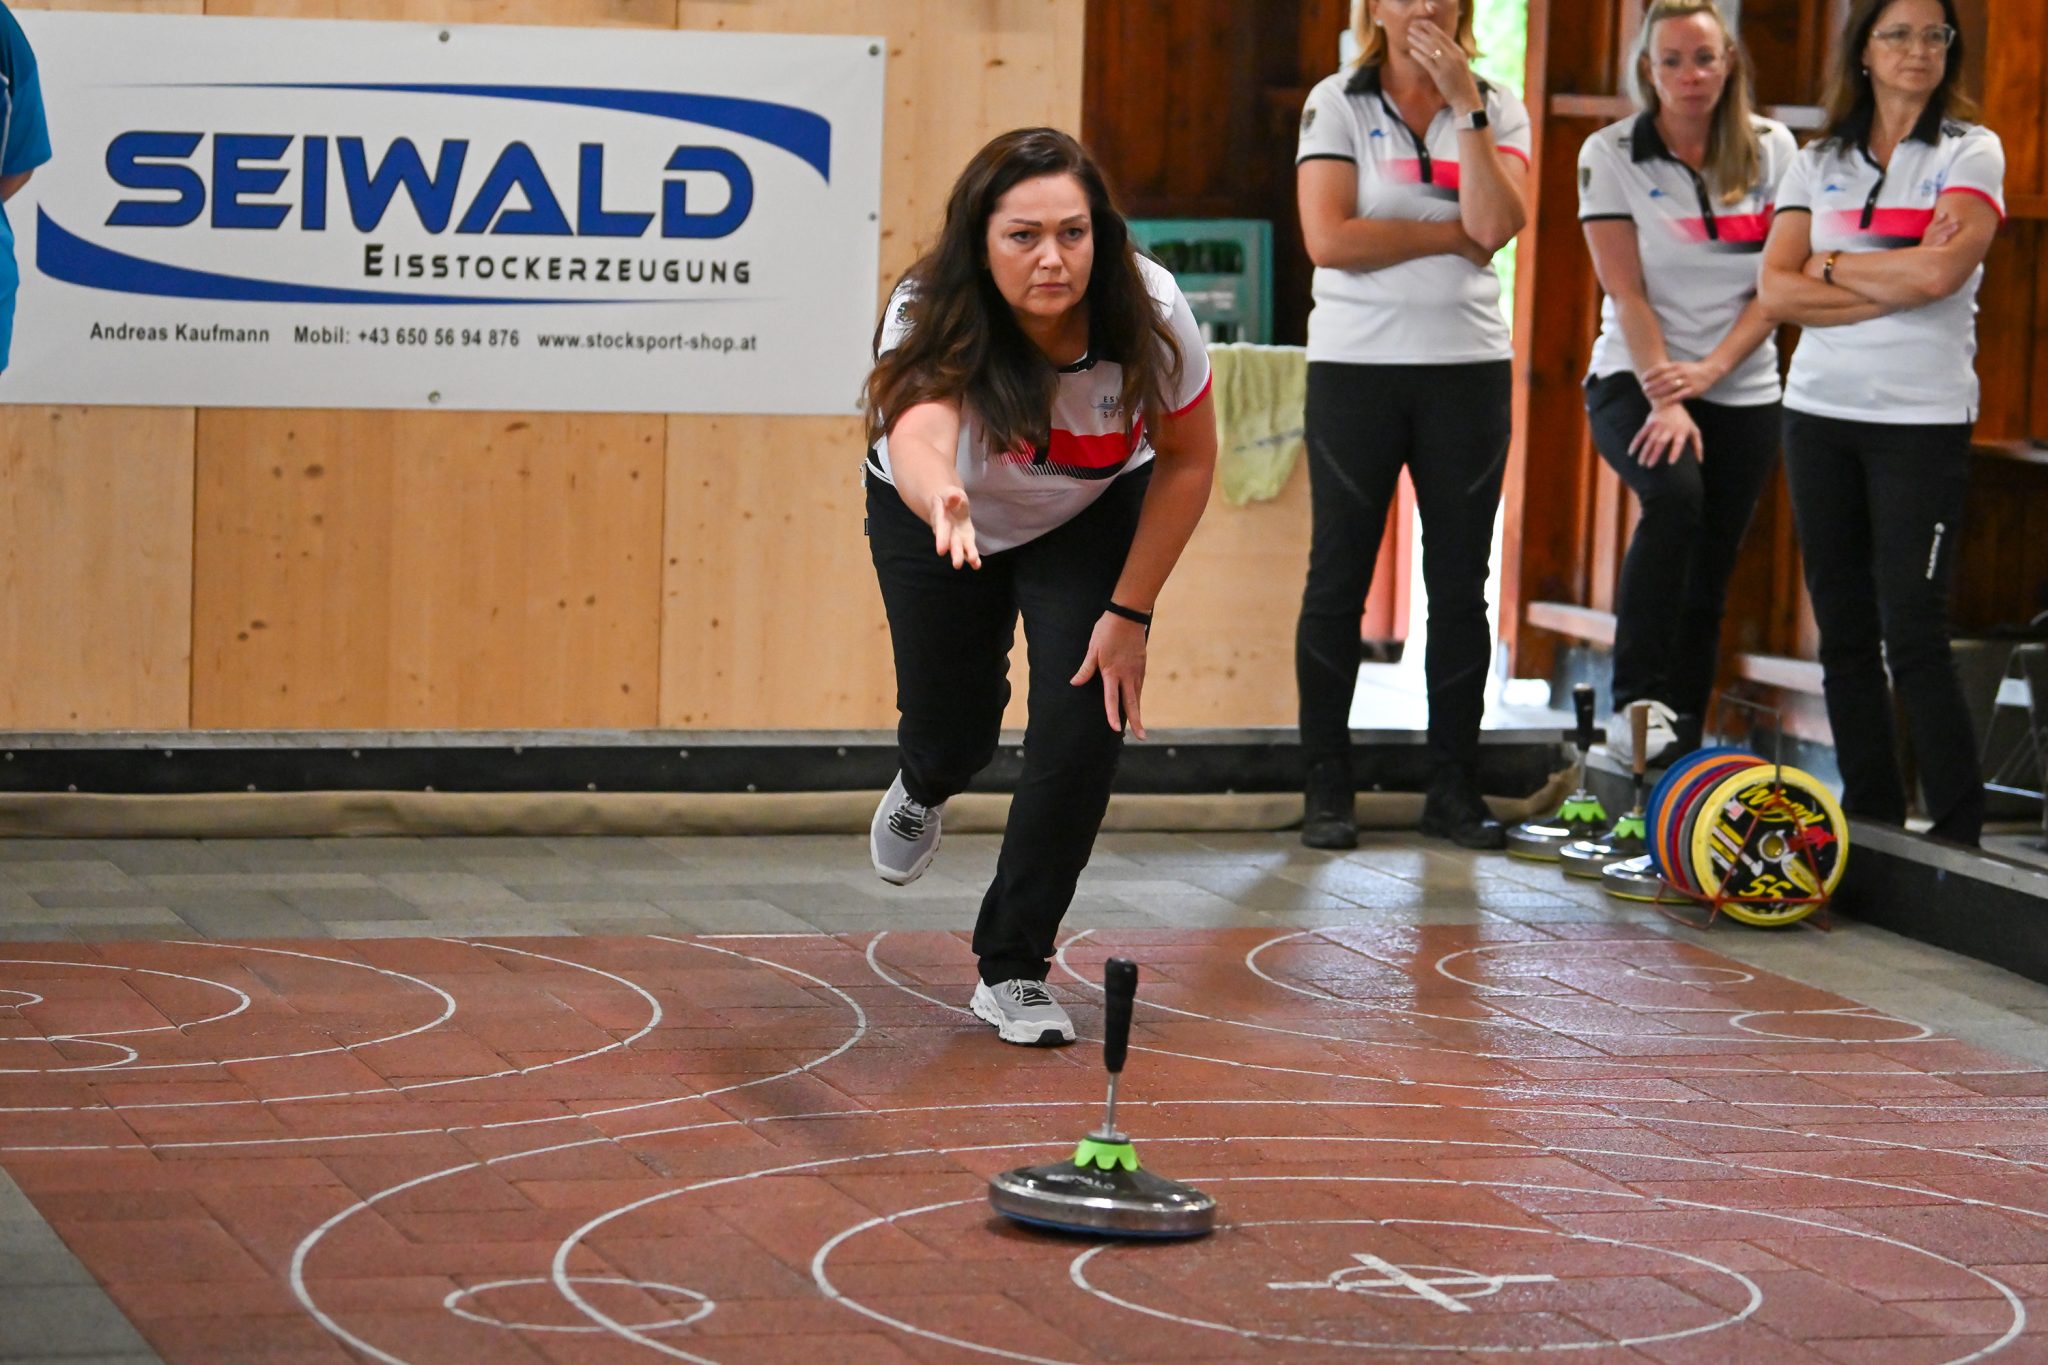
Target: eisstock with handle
1581	816
1102	1190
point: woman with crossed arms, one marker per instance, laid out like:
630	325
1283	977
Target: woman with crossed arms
1877	251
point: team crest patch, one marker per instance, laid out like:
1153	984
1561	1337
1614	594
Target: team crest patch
1308	119
1585	176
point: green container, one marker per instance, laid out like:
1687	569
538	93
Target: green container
1223	265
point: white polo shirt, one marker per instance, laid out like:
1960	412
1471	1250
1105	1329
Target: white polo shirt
1017	496
1699	254
1914	366
1433	309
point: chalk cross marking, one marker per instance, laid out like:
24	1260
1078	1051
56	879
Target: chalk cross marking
1351	1280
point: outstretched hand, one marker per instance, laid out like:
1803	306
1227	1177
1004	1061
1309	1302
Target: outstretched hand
1116	650
953	528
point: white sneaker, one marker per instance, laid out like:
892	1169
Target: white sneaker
1657	738
903	835
1023	1011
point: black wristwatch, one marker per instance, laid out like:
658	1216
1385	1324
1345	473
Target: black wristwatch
1474	120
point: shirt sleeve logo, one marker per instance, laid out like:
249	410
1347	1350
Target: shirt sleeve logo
1585	177
1308	118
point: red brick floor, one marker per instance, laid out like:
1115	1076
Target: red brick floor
1429	1142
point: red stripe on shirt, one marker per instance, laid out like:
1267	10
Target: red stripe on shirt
1970	189
1090	452
1190	407
1735	227
1513	151
1746	227
1898	224
1408	171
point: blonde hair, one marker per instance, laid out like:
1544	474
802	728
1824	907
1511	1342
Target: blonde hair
1734	152
1372	39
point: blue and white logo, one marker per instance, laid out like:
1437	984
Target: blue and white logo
360	214
454	212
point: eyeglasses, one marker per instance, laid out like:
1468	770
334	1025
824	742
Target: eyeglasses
1938	39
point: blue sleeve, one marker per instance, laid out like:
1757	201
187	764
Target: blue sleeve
28	132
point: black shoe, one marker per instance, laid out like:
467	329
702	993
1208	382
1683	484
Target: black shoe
1327	819
1454	810
1688	729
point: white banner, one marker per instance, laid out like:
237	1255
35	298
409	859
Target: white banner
306	213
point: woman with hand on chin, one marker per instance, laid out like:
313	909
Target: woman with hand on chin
1683	390
1877	251
1411	172
1043	446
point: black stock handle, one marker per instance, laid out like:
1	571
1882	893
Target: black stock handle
1119	989
1582	711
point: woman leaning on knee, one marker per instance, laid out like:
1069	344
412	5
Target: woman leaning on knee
1682	392
1410	174
1877	251
1043	447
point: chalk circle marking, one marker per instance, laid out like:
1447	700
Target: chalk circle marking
1078	1271
1918	1033
242	1000
2017	1310
457	1298
1671	974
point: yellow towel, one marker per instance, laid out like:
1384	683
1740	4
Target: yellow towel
1260	392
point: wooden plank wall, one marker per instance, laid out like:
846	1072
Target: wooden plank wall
1193	107
306	569
1569	517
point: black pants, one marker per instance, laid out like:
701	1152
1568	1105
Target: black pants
1449	425
1674	580
1879	509
951	630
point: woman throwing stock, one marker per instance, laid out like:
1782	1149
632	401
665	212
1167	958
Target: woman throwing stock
1410	175
1683	388
1877	251
1043	446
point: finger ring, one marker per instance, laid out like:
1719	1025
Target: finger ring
1436	52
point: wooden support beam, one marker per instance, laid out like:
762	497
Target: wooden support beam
1574	622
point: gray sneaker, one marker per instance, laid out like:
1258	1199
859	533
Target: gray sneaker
1023	1011
903	835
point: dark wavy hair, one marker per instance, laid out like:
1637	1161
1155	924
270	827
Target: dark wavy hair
1852	104
964	342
